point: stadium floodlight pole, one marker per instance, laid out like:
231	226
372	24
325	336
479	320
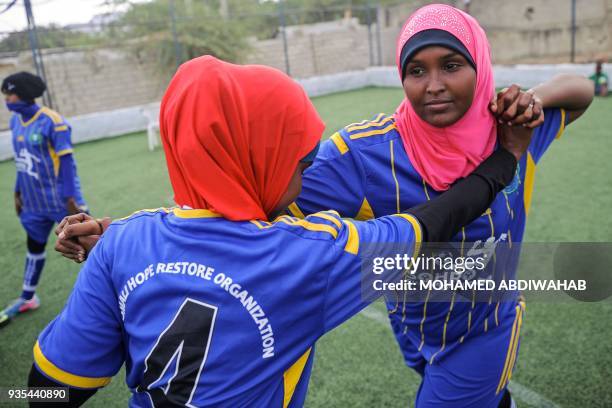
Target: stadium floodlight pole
177	46
573	51
37	58
281	19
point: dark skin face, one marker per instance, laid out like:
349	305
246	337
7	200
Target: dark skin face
440	85
293	190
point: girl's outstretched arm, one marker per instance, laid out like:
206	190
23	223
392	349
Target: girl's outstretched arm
573	93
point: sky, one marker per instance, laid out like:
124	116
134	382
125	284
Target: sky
60	12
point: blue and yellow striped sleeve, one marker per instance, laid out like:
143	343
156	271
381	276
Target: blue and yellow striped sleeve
552	128
349	287
82	346
334	181
59	133
61	141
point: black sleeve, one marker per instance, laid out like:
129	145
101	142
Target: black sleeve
442	217
76	396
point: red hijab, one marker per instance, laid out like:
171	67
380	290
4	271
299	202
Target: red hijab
443	155
233	136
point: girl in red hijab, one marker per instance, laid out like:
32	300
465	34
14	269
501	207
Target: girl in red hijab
222	126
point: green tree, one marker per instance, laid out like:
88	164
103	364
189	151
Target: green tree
52	36
200	30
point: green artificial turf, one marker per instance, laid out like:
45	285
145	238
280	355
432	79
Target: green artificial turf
566	351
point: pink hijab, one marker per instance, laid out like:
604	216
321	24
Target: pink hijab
443	155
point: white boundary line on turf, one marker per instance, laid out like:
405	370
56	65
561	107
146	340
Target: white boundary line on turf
530	396
521	392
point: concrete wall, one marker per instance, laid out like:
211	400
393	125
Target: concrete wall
530	31
92	80
121	121
312	54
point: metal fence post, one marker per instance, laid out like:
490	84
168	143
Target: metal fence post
573	50
177	45
370	42
281	19
37	58
379	18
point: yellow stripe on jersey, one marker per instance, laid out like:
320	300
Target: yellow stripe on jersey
339	142
423	321
352	244
56	373
261	224
512	348
489	213
365	212
295	210
32	119
199	213
61	128
365	122
516	343
328	217
376	122
356	123
373	132
418	232
54	158
55	117
450	310
311	226
64	152
292	376
502	378
510	211
562	125
397	191
286	217
146	210
529	179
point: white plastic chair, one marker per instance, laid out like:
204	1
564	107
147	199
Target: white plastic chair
152	116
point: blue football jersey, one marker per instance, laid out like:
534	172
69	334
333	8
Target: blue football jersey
363	171
209	312
37	146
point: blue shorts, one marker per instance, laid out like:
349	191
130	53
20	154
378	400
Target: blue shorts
39	225
474	373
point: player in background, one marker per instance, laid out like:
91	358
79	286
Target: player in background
216	302
47	186
464	351
600	80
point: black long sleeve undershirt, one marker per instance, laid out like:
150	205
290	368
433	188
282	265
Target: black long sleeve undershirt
443	217
77	396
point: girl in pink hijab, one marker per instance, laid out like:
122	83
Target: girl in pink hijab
445	124
464	350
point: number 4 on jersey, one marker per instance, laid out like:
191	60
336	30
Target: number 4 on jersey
186	340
